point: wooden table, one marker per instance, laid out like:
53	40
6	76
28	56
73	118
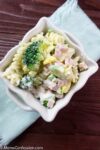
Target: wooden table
76	127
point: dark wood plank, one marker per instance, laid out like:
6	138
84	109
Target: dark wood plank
77	126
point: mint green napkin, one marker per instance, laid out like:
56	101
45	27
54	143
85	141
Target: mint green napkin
70	17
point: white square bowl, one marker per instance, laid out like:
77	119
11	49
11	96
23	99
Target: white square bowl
48	114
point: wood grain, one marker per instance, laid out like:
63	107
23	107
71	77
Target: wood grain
77	126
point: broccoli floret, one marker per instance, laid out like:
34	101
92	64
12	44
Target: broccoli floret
45	102
33	55
26	82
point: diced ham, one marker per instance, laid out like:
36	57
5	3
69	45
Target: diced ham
83	66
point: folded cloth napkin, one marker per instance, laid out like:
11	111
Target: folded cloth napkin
70	17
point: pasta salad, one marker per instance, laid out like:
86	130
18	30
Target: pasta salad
47	66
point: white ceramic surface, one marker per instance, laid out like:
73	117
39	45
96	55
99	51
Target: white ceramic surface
28	99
